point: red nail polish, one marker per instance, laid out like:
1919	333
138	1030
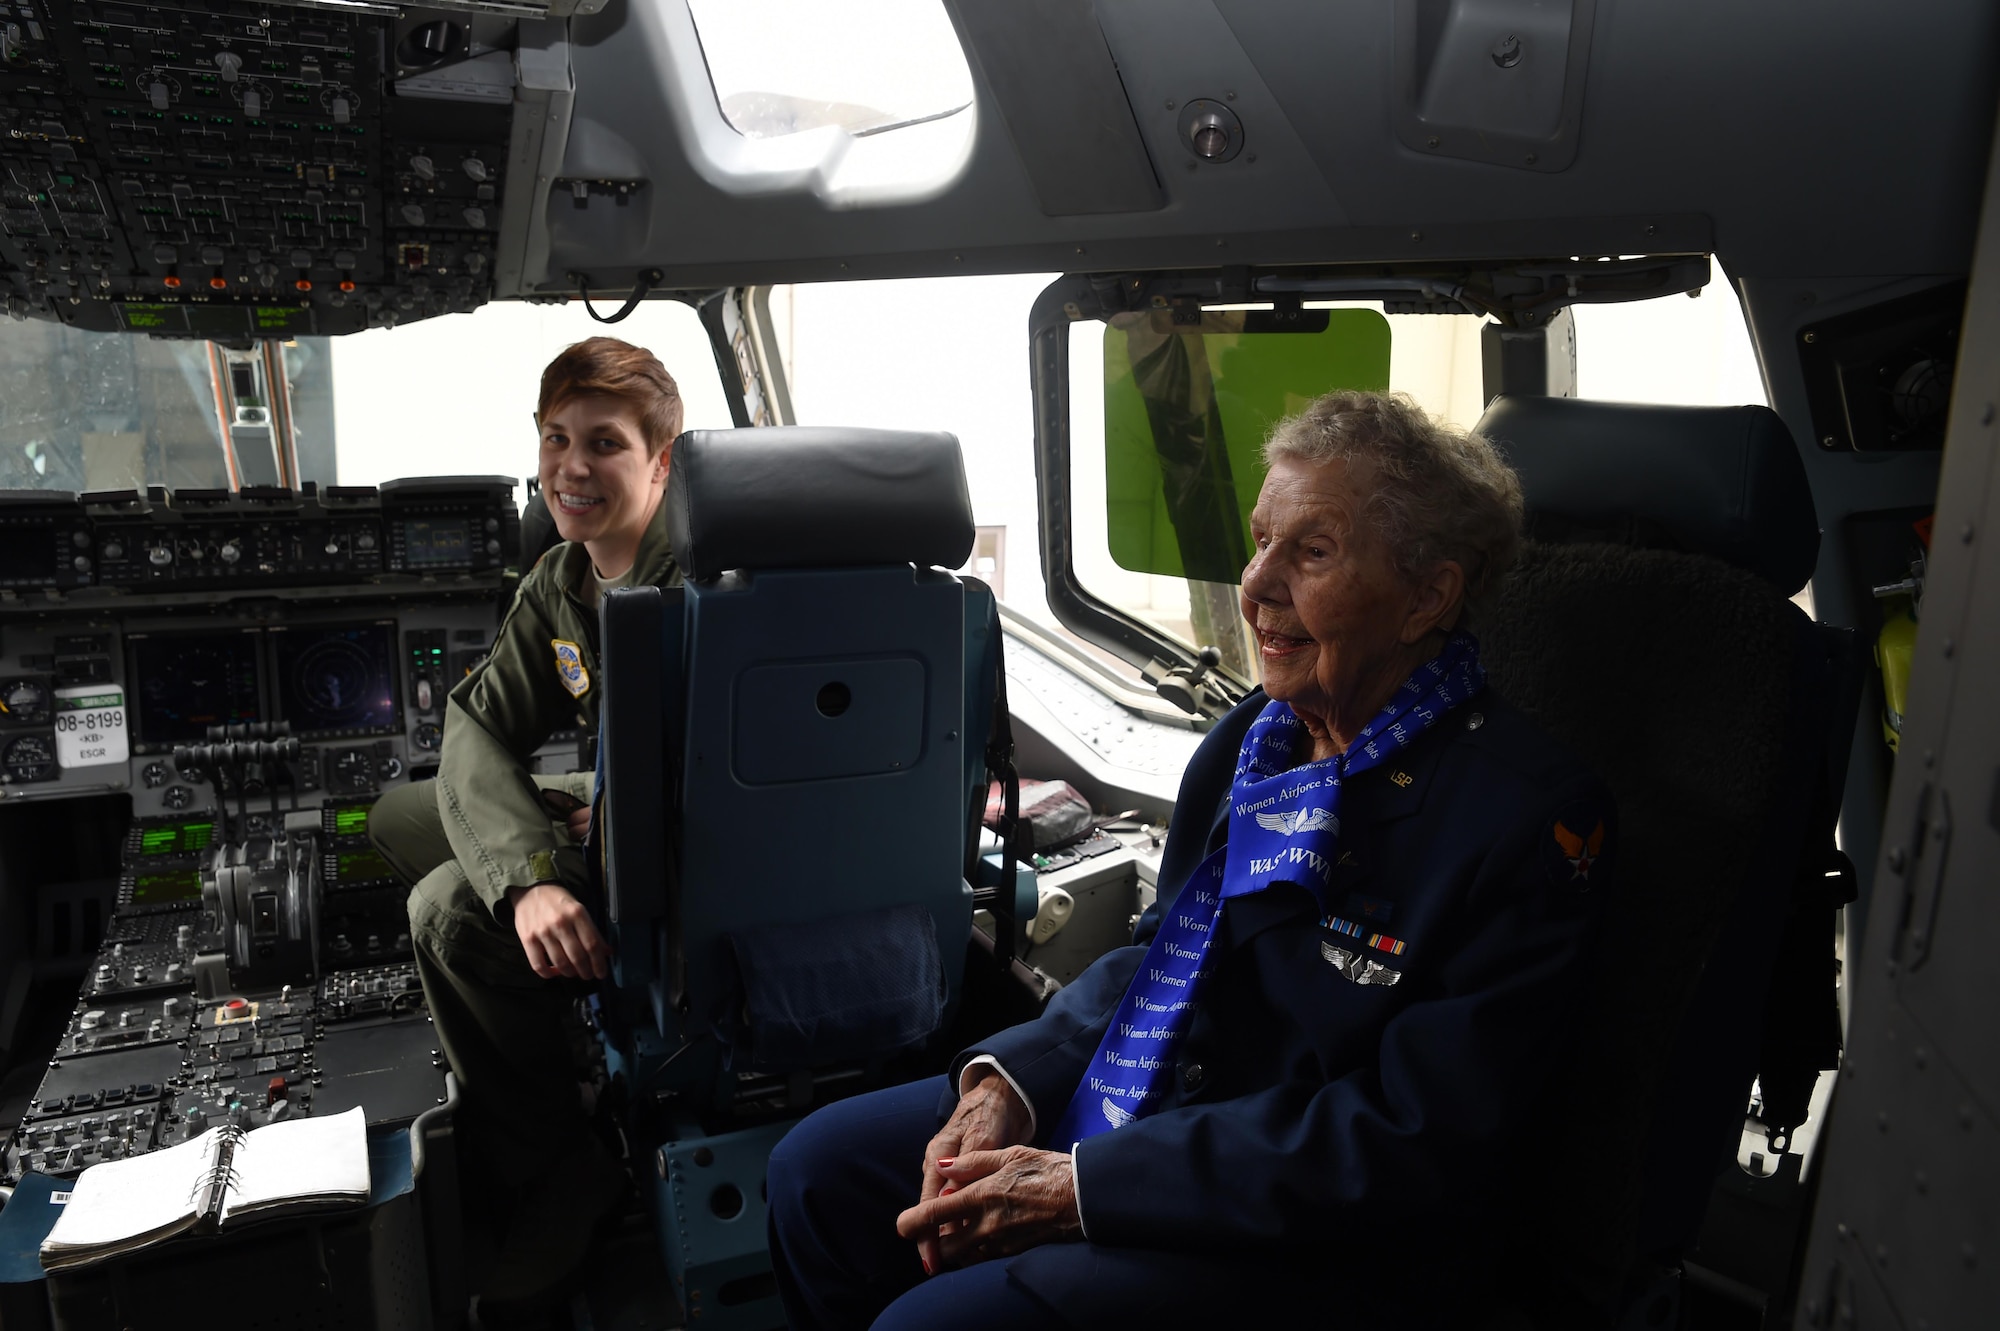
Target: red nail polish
929	1270
947	1162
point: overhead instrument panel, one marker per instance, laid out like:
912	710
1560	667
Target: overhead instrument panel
231	171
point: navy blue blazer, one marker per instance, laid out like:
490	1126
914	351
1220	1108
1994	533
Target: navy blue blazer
1310	1109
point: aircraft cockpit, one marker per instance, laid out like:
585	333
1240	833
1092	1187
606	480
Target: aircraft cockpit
986	328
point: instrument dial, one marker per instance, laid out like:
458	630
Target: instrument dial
353	769
177	797
29	758
154	775
24	702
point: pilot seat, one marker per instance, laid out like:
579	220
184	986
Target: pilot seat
1648	625
787	762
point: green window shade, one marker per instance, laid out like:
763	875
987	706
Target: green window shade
1186	410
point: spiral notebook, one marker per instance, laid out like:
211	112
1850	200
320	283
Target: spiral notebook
225	1176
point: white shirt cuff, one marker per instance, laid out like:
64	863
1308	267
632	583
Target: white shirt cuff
1076	1188
965	1079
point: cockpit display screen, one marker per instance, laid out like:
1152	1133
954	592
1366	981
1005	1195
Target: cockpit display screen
166	886
214	320
361	866
437	542
175	838
27	554
188	682
338	680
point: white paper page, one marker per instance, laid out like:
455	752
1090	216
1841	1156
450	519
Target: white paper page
123	1199
305	1157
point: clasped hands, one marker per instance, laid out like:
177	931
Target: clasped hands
984	1194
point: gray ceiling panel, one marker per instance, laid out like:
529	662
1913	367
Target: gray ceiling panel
1056	88
1822	138
1795	138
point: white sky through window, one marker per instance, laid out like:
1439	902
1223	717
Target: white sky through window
787	66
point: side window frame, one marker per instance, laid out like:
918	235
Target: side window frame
1161	658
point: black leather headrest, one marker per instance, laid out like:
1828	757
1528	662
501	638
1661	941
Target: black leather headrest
812	497
538	531
1721	481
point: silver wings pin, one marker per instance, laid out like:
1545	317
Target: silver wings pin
1296	821
1360	969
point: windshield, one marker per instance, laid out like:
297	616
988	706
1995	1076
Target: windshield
84	412
1132	414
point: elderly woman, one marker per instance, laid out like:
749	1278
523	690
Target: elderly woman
1302	1095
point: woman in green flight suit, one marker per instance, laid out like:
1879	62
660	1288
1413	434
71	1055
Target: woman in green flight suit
499	932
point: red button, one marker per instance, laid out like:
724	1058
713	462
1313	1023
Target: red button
234	1006
274	1091
303	285
170	280
218	282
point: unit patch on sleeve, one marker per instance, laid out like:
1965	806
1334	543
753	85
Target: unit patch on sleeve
1576	842
569	668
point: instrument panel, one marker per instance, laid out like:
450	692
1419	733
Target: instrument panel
346	614
233	170
321	631
363	690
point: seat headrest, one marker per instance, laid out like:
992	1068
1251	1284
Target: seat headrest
814	497
1721	481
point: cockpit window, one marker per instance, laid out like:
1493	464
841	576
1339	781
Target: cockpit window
784	67
1188	402
1189	396
1671	349
83	411
1126	549
455	396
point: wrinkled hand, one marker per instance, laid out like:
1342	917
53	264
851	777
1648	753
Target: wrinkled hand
989	1116
998	1203
557	934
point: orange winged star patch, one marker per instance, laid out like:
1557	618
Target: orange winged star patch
1580	851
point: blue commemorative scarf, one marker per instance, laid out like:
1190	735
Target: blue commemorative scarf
1284	827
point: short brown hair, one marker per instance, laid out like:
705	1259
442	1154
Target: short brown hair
611	368
1440	493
